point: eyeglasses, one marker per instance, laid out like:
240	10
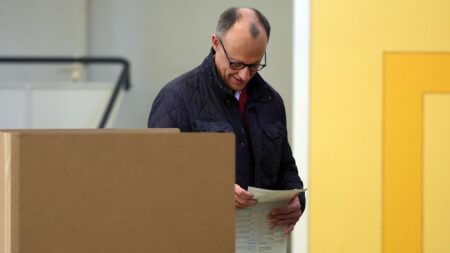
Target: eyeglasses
236	65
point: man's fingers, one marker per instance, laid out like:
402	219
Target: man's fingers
291	216
242	197
293	205
285	213
240	202
289	229
284	219
294	199
282	210
242	193
282	222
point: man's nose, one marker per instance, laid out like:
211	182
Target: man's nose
244	74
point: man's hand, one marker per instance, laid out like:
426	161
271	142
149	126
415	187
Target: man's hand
242	197
288	215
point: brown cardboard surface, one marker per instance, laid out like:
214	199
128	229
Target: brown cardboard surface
116	191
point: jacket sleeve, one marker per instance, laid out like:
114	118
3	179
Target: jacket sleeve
168	111
288	177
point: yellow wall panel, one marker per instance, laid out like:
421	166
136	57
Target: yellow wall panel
348	41
436	173
407	77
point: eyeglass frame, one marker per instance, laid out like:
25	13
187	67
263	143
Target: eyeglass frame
241	65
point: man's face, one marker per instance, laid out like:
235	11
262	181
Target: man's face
240	46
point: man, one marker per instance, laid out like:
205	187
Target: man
226	94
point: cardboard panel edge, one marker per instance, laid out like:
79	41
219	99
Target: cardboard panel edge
3	148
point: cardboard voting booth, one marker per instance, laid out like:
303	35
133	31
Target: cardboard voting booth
150	190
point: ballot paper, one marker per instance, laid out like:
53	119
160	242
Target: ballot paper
253	232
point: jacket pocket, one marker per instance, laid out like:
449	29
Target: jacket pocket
212	126
273	131
272	148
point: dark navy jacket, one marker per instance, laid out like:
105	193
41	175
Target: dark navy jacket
198	101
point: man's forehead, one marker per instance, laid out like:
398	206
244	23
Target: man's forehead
244	30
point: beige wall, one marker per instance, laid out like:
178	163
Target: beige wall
162	39
41	28
38	28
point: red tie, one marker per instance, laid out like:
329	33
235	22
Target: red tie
243	101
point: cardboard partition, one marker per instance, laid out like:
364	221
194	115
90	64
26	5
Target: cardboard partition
113	191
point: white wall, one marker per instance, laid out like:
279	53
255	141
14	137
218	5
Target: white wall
43	27
301	108
52	105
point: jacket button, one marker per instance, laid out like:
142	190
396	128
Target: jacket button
269	97
228	101
242	143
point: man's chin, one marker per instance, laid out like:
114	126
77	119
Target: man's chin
237	86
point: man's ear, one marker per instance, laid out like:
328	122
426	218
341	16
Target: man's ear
215	42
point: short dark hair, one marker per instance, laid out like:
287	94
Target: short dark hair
231	15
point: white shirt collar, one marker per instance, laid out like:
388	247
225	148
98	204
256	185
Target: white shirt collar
237	94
